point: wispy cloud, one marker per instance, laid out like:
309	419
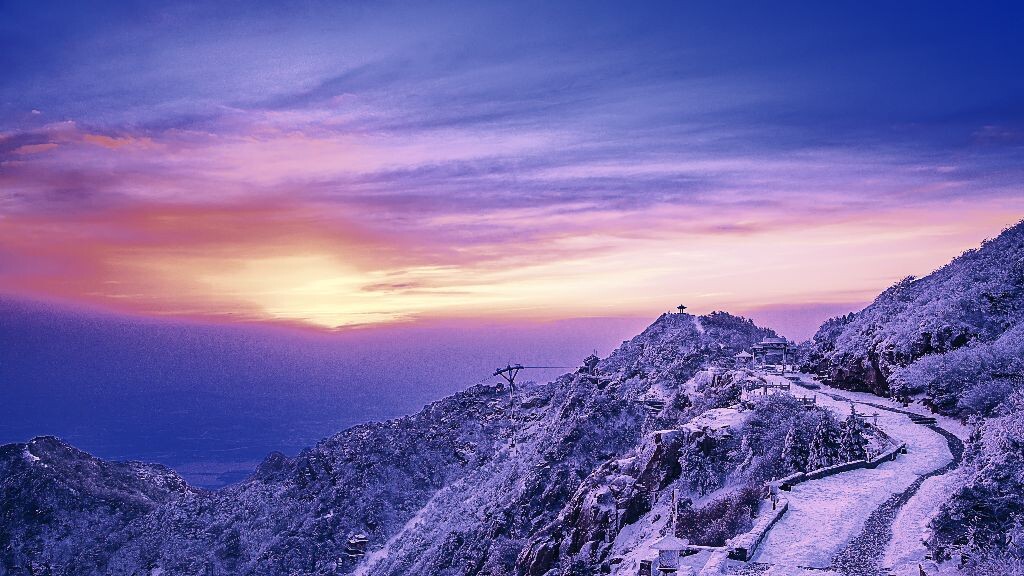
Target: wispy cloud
343	164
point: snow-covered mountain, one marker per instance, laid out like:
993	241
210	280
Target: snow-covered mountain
953	340
587	486
954	335
442	491
59	506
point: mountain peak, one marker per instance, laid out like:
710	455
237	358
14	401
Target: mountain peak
469	476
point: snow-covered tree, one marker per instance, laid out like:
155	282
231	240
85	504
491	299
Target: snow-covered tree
825	447
853	444
984	517
794	452
700	468
722	518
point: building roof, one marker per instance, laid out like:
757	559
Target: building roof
669	543
773	340
744	354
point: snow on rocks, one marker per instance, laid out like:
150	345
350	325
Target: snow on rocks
716	419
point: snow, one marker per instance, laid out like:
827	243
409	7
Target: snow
644	532
951	424
382	554
911	523
29	456
635	541
669	543
716	418
796	571
824	515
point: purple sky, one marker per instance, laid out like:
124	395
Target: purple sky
336	164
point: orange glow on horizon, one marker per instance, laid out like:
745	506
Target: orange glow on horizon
294	264
287	218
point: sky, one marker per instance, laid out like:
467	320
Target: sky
335	164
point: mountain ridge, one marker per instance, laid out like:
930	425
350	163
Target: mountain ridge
443	491
972	301
449	462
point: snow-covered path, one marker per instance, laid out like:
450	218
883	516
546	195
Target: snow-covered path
864	555
826	515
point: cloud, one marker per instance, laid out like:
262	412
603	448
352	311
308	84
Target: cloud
339	164
114	143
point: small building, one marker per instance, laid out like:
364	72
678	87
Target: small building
356	546
669	550
590	372
743	358
770	351
681	308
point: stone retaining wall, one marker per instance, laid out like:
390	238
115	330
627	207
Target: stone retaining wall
743	546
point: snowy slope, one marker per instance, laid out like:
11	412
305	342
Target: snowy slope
969	303
953	343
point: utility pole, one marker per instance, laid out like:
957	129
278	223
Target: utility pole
509	374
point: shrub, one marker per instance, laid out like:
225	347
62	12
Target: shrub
720	519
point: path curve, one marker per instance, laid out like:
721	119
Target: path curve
863	555
843	522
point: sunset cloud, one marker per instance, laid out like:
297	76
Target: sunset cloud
342	174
